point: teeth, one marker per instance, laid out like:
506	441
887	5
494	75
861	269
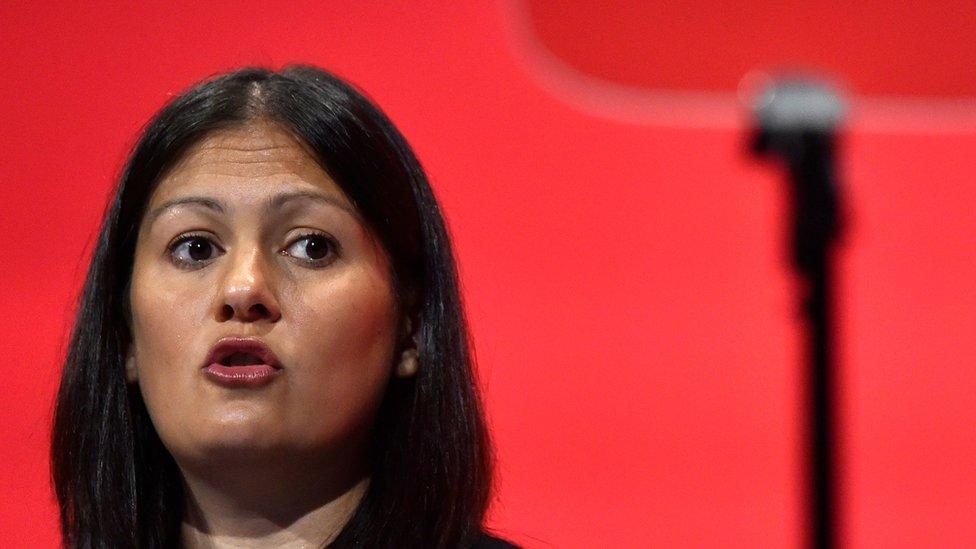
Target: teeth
242	359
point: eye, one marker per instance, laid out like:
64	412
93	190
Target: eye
312	248
193	250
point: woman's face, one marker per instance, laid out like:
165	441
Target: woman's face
247	237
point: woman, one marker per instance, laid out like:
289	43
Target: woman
270	348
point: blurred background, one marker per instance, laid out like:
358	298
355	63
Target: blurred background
624	257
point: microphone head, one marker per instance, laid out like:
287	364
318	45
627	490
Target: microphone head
798	104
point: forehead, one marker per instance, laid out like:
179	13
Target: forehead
253	160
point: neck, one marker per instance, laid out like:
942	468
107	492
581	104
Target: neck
277	503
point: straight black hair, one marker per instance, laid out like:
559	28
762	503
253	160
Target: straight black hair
431	461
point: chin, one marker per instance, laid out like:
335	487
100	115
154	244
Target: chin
230	435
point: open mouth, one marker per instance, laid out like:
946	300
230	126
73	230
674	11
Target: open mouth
236	352
240	358
242	362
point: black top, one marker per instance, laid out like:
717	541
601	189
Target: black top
487	541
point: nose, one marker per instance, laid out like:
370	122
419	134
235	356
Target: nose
246	293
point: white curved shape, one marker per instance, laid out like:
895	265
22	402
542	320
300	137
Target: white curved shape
671	108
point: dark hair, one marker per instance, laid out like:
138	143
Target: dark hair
430	464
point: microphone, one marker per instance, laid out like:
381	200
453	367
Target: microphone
797	121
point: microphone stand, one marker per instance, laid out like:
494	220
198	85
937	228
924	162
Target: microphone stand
797	123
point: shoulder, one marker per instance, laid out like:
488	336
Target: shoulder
484	540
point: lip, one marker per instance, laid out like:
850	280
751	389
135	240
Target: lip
251	375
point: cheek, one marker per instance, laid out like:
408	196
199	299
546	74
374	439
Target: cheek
166	312
166	319
350	320
346	333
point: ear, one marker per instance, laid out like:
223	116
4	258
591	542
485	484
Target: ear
410	356
409	363
131	373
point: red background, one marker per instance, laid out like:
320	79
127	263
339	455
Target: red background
621	255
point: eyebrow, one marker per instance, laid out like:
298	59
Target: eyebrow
275	203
